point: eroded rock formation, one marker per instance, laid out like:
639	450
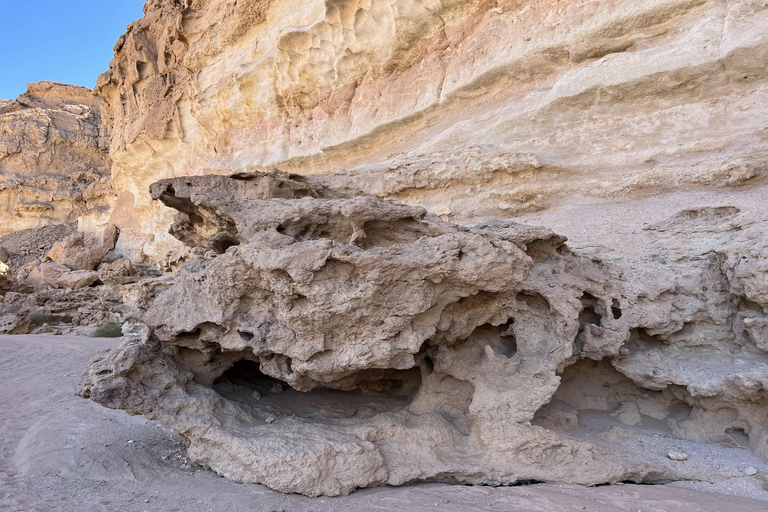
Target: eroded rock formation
54	165
323	343
475	109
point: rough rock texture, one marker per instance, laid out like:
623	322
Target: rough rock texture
325	343
59	280
78	252
54	165
475	110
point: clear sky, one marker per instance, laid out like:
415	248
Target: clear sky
66	41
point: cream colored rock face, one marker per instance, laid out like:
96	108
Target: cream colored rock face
54	165
610	98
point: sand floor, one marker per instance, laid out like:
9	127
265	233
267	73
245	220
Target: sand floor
62	453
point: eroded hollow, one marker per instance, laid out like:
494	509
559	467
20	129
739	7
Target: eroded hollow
595	397
374	392
499	337
589	314
386	234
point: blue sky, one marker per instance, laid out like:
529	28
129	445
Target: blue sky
66	41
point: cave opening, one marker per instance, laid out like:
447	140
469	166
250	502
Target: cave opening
361	395
615	309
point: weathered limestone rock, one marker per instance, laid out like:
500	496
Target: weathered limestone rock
416	349
79	252
54	164
77	279
46	274
475	110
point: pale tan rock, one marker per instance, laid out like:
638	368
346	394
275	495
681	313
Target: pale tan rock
475	110
77	279
119	268
614	435
327	289
46	274
628	413
8	323
54	164
439	323
79	252
678	456
60	276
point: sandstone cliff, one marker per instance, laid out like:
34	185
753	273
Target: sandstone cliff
477	110
54	165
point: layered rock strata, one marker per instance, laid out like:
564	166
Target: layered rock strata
54	164
323	343
475	110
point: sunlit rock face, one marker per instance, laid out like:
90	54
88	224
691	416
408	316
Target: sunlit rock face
54	164
474	109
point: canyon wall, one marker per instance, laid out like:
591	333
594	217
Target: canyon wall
476	110
357	307
54	164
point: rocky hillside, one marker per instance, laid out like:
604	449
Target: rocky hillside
54	165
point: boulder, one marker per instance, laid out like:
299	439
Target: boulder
6	278
79	252
77	279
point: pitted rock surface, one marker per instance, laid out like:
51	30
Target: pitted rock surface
416	349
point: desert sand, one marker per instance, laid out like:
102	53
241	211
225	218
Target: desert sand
62	453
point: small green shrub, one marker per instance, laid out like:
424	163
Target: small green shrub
39	318
110	330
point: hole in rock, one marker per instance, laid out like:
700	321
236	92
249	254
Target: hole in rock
281	274
370	392
616	309
499	337
534	300
588	314
752	307
222	241
142	68
597	403
737	438
245	336
539	250
379	233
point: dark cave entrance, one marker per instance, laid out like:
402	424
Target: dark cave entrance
364	394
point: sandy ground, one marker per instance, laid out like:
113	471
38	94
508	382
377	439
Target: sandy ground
62	453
